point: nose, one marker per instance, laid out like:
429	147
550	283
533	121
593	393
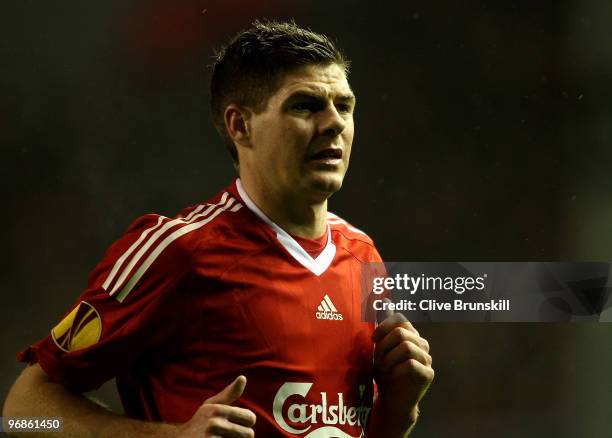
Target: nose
332	123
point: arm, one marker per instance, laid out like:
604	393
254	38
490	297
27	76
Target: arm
403	372
34	394
383	424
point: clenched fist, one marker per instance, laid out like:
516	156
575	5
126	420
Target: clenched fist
403	372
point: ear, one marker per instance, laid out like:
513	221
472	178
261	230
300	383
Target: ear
237	124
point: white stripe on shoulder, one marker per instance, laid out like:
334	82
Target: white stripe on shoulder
333	219
126	254
171	238
142	237
194	215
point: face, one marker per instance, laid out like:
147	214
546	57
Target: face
301	142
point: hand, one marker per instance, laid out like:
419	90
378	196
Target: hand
216	418
402	366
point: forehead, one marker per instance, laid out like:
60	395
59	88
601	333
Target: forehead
326	80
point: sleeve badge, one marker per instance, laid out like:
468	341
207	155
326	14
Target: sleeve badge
81	328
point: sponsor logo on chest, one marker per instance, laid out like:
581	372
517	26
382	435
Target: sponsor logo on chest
318	420
327	310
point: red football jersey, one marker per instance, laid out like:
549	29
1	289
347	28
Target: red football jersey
179	307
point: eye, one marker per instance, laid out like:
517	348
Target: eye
344	108
306	106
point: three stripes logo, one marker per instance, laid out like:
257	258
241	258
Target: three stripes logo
327	310
135	262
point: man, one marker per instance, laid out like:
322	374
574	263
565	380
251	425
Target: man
259	283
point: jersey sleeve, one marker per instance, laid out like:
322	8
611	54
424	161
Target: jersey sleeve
125	314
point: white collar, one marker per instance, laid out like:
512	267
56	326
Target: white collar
316	266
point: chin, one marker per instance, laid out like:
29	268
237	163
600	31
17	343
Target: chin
326	185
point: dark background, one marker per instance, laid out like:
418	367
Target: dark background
483	132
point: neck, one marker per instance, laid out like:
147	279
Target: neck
293	213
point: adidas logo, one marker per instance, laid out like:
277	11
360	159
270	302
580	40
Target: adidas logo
327	310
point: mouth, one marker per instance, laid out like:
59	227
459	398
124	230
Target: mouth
331	155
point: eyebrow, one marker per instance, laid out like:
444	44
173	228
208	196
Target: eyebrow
315	95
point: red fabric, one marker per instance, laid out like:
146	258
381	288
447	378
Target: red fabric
313	247
222	300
